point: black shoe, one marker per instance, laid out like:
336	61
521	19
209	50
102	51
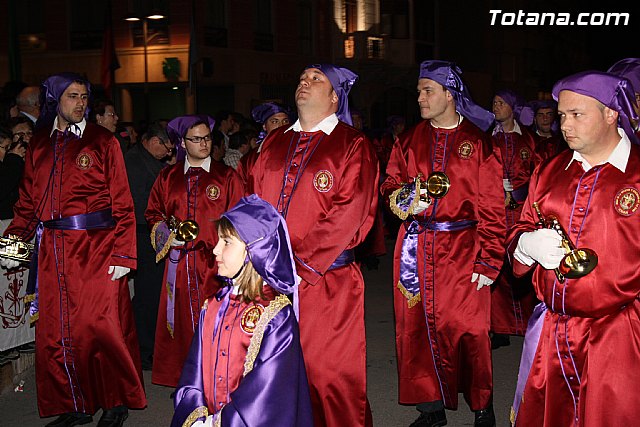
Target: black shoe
113	417
430	419
500	340
485	418
71	419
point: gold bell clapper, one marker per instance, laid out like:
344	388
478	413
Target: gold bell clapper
185	231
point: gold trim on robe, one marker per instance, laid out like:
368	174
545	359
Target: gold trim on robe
270	311
200	411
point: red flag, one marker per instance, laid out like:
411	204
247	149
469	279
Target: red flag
109	59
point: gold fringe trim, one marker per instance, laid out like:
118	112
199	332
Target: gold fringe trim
270	311
170	329
512	417
167	245
169	293
29	298
217	421
200	411
412	299
34	318
393	200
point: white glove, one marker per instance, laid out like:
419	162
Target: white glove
542	246
9	263
482	280
175	242
422	205
507	185
118	271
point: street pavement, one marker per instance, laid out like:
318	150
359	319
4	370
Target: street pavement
20	408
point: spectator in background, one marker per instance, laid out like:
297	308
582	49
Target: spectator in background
144	162
28	103
239	145
11	168
217	146
21	129
103	113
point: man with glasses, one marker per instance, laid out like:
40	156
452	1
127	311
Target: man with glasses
144	162
195	189
21	129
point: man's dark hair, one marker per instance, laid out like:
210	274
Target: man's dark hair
156	129
15	121
220	116
237	140
217	138
100	107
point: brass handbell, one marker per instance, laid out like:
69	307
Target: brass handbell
186	230
11	247
577	262
437	185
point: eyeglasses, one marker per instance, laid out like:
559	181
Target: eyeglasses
198	139
110	114
166	144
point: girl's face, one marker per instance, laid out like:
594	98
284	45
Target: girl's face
230	254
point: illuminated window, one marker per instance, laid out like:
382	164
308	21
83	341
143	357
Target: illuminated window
349	47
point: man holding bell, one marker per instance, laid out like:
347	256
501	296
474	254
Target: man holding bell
579	362
198	190
445	183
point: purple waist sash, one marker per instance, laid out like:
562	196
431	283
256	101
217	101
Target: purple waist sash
91	221
409	253
531	339
346	257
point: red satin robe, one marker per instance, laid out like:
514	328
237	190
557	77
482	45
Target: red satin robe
585	370
245	165
549	147
79	303
448	350
217	191
332	207
512	300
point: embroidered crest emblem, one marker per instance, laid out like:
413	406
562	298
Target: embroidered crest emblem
84	161
213	192
250	317
465	150
627	201
525	154
323	181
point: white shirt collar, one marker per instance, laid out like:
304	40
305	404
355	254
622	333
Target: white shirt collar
619	157
326	125
76	128
460	119
32	118
206	165
516	129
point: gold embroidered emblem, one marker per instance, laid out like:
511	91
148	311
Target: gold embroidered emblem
213	192
627	201
465	150
250	318
323	181
525	154
84	161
